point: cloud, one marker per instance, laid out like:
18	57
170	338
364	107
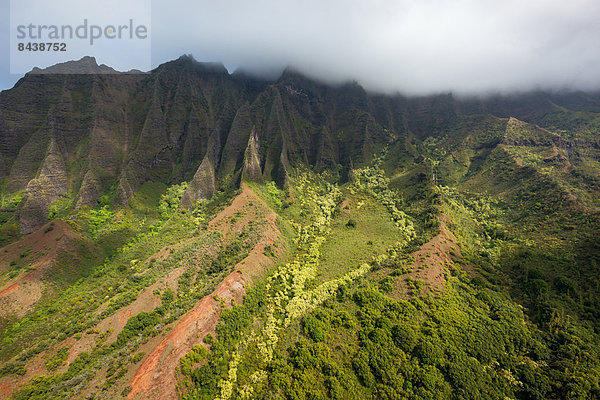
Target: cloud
412	46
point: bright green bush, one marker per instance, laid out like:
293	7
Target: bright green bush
169	202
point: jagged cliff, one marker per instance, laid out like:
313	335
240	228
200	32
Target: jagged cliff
83	131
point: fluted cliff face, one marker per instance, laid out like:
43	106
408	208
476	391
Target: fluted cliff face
83	136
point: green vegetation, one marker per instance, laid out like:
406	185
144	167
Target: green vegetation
13	368
116	283
466	344
169	202
274	195
60	358
248	341
60	207
9	203
426	248
473	341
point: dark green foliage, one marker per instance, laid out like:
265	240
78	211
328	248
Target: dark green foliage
57	359
232	324
314	326
13	368
198	354
404	337
226	258
467	348
565	285
136	358
386	285
428	353
478	282
137	325
167	297
209	339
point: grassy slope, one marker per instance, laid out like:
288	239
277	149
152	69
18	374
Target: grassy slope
312	329
520	235
349	246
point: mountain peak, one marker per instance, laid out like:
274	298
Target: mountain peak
188	61
86	65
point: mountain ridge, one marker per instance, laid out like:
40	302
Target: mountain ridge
192	233
297	119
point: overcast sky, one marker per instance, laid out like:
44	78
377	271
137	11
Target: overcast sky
411	46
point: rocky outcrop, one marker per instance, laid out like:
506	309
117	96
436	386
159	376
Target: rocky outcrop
153	149
42	191
327	157
116	130
124	192
251	169
107	140
197	132
90	190
204	182
86	65
3	171
237	140
202	186
28	161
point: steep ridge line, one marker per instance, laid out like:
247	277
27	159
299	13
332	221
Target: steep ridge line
430	261
156	377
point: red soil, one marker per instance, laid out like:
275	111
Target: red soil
431	261
38	251
156	377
